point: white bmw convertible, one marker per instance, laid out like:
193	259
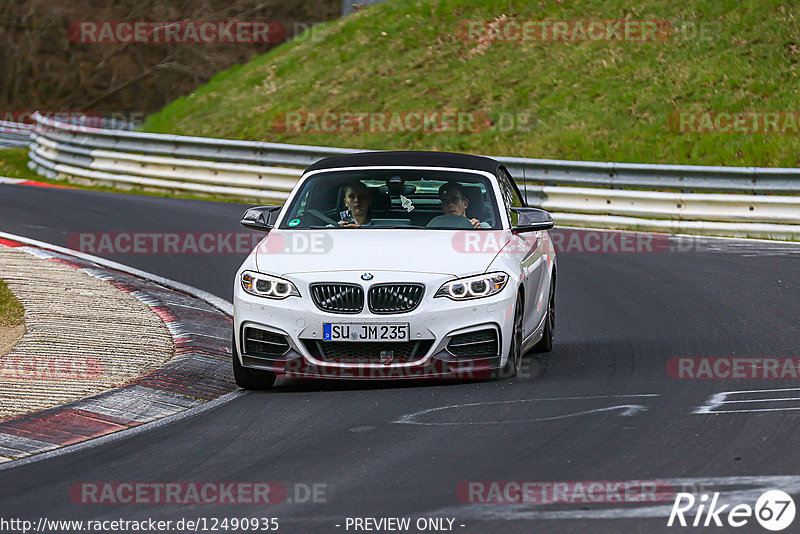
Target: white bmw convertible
395	265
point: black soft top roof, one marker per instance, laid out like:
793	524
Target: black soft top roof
408	158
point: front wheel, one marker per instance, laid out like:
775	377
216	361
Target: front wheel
250	378
514	361
546	343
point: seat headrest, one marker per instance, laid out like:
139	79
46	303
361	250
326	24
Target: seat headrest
476	209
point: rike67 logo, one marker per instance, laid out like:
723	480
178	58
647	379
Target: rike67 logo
774	510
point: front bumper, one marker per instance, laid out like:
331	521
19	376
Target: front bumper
432	324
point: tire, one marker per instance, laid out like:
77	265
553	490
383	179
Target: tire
250	378
546	343
514	361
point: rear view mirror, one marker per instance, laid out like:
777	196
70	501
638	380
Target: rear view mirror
396	186
531	220
260	218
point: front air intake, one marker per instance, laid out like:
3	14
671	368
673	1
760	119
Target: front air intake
394	298
259	342
338	298
481	343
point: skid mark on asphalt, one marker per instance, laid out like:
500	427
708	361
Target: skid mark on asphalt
752	401
625	410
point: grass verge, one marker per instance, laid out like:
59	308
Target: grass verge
606	100
14	164
12	312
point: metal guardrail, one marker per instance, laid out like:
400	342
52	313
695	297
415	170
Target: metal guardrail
738	201
14	134
752	180
17	134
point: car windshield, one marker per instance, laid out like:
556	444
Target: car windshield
392	198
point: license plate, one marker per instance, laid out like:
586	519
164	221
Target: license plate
365	332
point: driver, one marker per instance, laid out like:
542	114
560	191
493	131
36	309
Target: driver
455	202
357	199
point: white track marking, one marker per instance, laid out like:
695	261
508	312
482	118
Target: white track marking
722	398
628	410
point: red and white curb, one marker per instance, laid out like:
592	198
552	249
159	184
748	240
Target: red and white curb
21	181
199	372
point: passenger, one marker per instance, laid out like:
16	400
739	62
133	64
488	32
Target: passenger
357	199
455	202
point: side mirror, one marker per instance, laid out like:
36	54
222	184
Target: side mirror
531	220
261	218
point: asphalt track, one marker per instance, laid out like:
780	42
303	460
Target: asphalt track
602	407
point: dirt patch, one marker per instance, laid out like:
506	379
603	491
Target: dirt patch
9	335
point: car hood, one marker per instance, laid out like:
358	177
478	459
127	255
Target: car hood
284	252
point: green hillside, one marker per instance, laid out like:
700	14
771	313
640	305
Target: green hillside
602	99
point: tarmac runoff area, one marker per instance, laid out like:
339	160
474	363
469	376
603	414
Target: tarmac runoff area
103	351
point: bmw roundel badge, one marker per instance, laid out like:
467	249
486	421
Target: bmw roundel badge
367	276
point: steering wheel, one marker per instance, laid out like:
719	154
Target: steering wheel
449	221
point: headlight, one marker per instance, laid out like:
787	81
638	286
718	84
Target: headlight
264	285
473	287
